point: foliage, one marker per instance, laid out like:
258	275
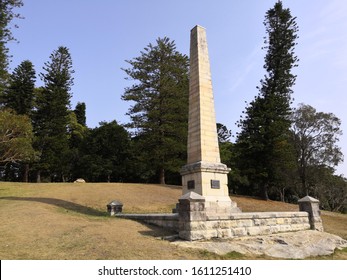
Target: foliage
104	154
330	189
20	93
80	112
52	115
15	137
315	135
265	126
160	111
223	133
7	15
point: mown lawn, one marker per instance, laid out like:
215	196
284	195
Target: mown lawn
70	221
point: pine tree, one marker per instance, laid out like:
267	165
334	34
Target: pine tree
52	117
160	113
20	93
265	127
19	96
80	112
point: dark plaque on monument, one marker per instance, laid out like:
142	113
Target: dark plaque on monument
215	184
191	184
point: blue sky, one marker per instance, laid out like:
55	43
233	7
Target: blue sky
102	34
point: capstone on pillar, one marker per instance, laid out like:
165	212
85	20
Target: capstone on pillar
311	206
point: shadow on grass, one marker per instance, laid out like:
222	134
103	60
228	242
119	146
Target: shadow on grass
155	231
68	205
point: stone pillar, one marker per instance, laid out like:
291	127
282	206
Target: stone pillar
204	173
311	206
192	216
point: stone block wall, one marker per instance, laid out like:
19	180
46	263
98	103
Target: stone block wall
169	221
195	222
244	224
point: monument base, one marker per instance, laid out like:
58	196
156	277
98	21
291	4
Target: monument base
220	207
210	180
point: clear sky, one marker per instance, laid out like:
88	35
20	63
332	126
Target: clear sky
102	34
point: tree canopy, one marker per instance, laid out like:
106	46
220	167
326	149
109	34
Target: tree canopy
15	137
315	137
20	93
159	115
52	115
7	15
265	126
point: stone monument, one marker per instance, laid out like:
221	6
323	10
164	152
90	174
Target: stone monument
205	210
204	174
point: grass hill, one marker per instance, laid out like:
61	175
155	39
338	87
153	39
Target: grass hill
70	221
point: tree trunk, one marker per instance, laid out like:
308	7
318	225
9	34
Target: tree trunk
38	176
282	194
162	176
304	184
265	195
26	173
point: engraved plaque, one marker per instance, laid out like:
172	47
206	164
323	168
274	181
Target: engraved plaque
191	184
215	184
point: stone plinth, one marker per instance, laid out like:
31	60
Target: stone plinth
311	206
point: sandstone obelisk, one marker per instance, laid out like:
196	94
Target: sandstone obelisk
204	173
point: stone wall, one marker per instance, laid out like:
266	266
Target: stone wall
169	221
196	223
243	224
193	222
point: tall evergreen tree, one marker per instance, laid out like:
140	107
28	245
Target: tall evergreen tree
160	113
20	93
7	14
19	96
265	127
80	112
52	117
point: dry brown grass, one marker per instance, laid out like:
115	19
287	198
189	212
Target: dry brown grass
69	221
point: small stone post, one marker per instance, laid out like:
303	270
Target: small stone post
192	215
311	206
114	207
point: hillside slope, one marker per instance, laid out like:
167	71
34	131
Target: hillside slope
69	221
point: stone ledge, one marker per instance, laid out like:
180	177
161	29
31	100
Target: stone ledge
260	215
203	166
167	217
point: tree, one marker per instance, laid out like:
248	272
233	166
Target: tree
315	136
20	93
160	113
265	126
15	137
223	133
104	154
19	96
52	116
80	112
6	16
